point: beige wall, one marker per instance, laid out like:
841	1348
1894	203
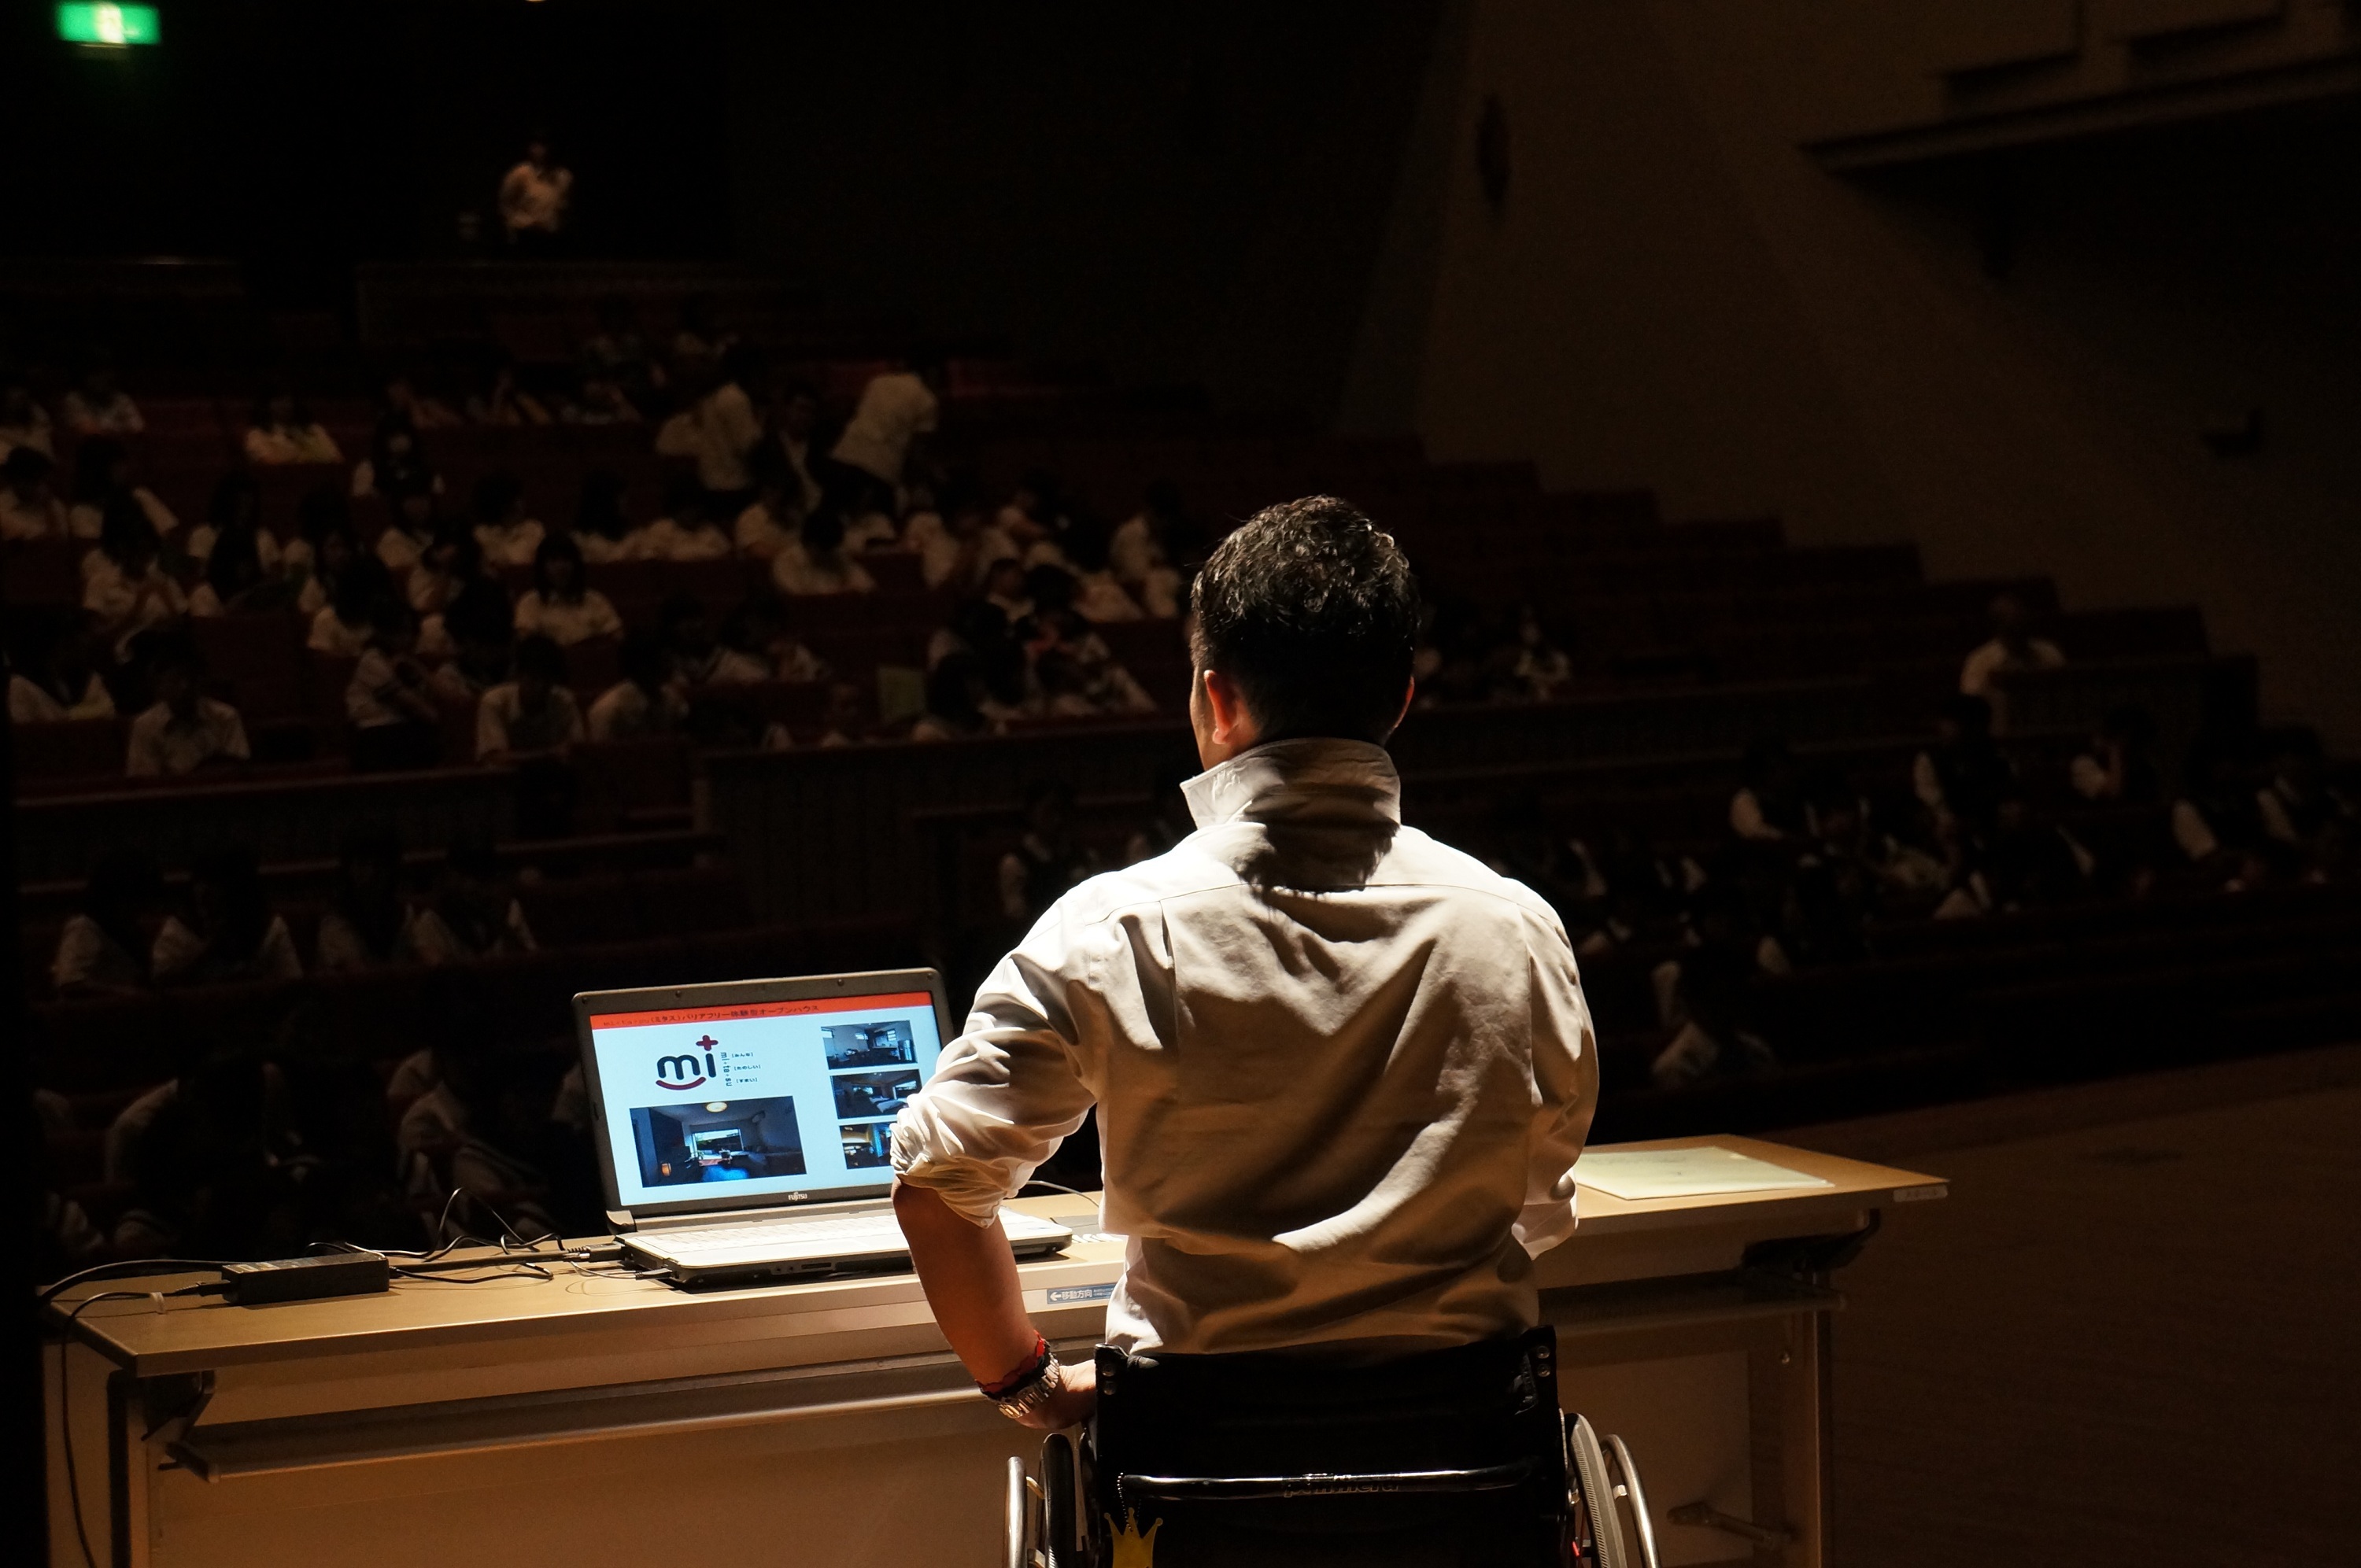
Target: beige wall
1676	294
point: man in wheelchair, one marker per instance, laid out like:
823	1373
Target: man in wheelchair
1342	1075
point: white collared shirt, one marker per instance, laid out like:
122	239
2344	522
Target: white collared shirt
1340	1071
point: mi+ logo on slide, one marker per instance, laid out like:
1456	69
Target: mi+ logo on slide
687	1071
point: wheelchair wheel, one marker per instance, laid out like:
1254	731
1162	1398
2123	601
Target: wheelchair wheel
1021	1523
1061	1541
1606	1484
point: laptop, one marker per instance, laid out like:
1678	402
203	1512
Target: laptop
745	1130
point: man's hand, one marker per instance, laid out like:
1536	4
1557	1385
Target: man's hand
1077	1397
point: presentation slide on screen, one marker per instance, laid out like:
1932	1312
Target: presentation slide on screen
778	1096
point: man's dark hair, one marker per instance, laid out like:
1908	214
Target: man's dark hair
1311	610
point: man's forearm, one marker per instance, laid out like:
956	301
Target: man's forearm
970	1274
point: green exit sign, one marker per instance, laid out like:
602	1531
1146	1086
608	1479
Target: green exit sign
110	26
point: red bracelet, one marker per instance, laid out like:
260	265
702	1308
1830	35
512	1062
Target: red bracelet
1023	1374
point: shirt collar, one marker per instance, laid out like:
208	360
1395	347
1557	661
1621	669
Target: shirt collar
1295	778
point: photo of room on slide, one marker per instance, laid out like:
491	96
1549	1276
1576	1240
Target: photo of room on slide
874	1093
868	1146
716	1140
870	1045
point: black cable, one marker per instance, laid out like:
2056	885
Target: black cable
65	1398
120	1270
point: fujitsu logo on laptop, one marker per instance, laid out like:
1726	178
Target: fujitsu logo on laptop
687	1071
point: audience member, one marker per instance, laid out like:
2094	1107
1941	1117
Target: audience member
474	914
562	605
421	410
450	562
2013	648
687	531
186	731
98	406
1714	1041
1046	859
1539	670
125	586
795	430
1770	802
2115	769
895	411
396	468
533	199
500	401
283	430
1141	554
343	626
102	469
618	354
532	714
719	431
389	702
1963	776
2297	806
231	932
602	524
64	683
23	421
642	701
508	536
213	1172
815	562
956	701
480	630
235	582
28	508
371	925
104	949
767	524
326	547
687	627
236	507
603	401
761	632
1098	598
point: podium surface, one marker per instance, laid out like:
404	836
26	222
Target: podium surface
593	1414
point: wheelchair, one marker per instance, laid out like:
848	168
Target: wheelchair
1537	1486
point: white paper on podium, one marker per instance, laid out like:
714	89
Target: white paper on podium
1636	1174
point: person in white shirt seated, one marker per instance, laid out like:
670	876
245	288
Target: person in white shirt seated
397	464
371	925
64	683
870	508
236	505
231	932
795	430
28	508
186	732
760	632
508	535
235	582
24	422
327	549
2013	648
1140	553
772	521
1004	588
643	702
603	402
124	586
1098	596
283	430
815	562
895	411
698	655
100	407
958	702
343	627
473	915
534	713
103	466
104	949
562	605
603	529
500	400
533	199
447	564
406	399
687	531
476	637
718	430
1397	1028
389	701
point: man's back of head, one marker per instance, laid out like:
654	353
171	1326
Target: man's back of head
1310	611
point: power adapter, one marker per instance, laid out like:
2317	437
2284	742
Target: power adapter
307	1278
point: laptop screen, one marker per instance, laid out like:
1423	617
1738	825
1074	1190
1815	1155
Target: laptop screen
746	1099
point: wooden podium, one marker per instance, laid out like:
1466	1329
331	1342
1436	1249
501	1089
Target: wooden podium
592	1418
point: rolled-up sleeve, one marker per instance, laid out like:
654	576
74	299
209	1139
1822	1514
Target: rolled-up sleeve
1565	1084
1010	1089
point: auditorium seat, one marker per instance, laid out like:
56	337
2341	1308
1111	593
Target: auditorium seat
641	782
76	749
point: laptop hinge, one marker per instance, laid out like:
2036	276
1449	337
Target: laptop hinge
618	1221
